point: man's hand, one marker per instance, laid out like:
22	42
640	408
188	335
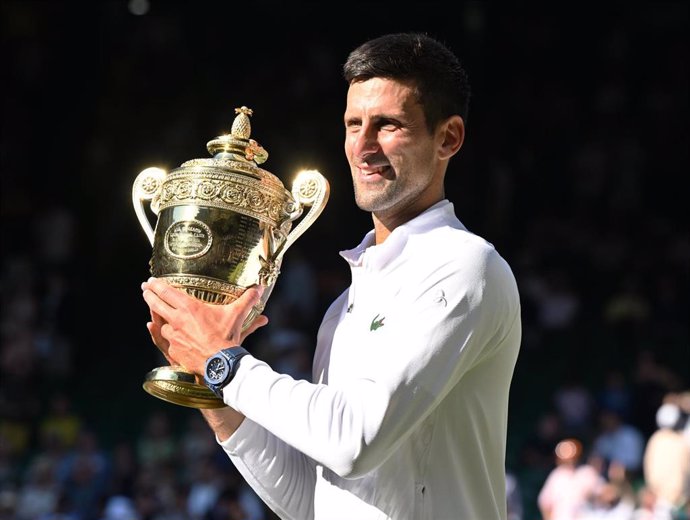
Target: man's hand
188	331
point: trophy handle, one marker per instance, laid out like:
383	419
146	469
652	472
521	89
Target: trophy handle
309	188
147	187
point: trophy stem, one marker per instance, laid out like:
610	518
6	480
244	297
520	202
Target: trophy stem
177	385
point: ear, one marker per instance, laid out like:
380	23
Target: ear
452	135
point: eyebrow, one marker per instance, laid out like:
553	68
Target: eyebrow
377	119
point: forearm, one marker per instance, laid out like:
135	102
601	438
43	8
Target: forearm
223	421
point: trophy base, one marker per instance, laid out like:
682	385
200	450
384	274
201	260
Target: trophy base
176	385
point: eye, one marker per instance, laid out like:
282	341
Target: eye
353	126
388	124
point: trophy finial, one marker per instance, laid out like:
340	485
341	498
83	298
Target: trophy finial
241	127
238	144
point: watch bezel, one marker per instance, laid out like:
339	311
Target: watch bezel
231	357
224	369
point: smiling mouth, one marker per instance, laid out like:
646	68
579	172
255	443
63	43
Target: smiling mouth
368	170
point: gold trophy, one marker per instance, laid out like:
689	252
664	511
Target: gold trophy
223	225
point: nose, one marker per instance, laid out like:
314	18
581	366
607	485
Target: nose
365	141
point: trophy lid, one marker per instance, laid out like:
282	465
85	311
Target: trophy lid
237	145
233	153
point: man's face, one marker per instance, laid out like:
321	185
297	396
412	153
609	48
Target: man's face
393	157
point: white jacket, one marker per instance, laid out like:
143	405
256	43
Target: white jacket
407	416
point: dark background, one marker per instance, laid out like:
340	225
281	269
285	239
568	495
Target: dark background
575	166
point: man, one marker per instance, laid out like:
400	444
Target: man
666	459
406	416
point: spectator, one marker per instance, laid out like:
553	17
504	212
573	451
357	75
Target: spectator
667	458
40	494
575	405
616	395
156	446
119	507
609	503
61	422
570	484
618	441
646	503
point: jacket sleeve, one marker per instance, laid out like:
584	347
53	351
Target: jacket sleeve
280	475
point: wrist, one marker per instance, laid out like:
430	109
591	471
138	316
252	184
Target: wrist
223	421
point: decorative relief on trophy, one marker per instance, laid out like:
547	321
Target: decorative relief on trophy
223	225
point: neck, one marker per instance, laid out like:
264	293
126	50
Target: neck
385	223
381	230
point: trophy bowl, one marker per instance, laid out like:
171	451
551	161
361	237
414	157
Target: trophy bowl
223	225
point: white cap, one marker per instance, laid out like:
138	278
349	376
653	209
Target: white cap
667	415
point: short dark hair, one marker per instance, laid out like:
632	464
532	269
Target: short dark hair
442	84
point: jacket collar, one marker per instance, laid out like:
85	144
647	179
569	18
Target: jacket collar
378	256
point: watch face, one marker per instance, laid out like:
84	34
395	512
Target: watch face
217	369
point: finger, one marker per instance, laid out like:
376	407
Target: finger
158	306
172	296
248	299
167	332
241	308
154	327
157	319
158	340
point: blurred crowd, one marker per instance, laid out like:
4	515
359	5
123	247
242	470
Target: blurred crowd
567	171
614	471
624	476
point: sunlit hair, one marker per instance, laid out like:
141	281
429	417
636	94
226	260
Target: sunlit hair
440	82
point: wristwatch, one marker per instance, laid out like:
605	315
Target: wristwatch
222	367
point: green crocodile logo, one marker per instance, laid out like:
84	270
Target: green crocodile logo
377	322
